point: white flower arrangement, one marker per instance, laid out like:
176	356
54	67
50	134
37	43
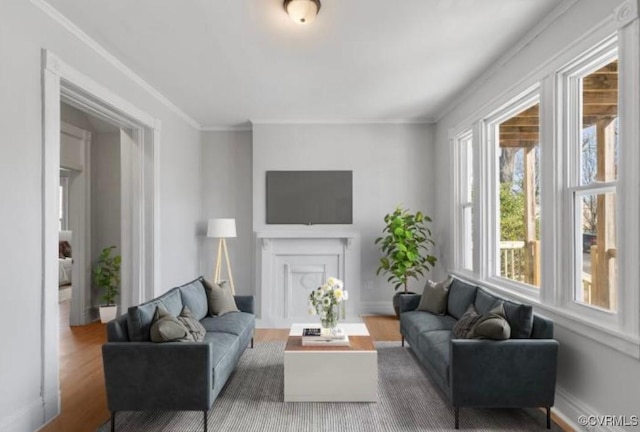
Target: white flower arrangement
327	301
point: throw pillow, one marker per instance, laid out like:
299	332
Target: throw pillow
167	328
64	249
220	299
193	326
463	329
493	325
434	298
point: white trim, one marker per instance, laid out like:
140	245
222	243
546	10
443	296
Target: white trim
506	57
60	81
346	122
569	409
111	59
26	417
227	128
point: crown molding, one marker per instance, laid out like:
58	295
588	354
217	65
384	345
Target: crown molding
227	128
111	59
345	122
529	37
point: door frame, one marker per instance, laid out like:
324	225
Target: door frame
140	214
79	213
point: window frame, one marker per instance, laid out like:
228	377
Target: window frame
491	206
463	144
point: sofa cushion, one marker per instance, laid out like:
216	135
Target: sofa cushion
195	298
414	323
435	347
223	347
139	317
232	323
220	299
461	295
520	318
485	301
434	298
193	326
167	328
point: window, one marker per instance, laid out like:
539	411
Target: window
593	185
513	134
464	143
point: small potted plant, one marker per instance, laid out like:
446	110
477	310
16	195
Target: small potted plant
106	276
405	246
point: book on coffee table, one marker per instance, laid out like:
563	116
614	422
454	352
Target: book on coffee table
316	333
319	341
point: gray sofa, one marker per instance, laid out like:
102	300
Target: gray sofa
141	375
515	373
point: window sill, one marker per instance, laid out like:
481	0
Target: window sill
614	338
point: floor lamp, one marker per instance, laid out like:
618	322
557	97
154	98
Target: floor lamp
222	229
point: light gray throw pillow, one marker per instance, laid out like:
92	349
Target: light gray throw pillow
192	325
435	296
493	325
167	328
220	299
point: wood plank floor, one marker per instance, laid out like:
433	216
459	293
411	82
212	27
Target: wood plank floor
83	397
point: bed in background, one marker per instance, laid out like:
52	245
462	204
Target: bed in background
65	260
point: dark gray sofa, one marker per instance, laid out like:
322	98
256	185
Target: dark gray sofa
515	373
141	375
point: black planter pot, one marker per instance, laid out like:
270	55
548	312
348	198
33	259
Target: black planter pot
396	301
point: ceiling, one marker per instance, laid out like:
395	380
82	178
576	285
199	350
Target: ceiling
228	62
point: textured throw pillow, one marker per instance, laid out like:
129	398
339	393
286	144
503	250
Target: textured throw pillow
463	329
167	328
493	325
435	296
64	249
193	326
220	299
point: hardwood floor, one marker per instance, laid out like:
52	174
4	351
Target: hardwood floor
83	396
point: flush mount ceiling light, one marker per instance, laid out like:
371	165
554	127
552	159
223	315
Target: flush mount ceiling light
302	11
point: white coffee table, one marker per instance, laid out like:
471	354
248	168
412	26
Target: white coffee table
331	373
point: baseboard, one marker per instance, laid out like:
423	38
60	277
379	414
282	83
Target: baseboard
27	419
376	308
569	409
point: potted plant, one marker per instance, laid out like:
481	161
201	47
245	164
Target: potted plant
405	246
106	276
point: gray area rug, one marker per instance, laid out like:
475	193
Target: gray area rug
408	401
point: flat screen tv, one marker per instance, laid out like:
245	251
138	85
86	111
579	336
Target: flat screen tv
309	197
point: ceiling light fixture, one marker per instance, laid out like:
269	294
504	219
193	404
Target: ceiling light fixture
302	11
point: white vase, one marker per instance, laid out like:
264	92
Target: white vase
108	313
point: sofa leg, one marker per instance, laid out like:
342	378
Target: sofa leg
402	340
205	420
113	421
251	343
548	417
457	417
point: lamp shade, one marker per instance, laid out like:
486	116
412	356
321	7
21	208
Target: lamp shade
302	11
221	228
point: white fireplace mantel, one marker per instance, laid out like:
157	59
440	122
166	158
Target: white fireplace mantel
293	262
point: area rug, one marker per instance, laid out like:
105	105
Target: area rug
253	401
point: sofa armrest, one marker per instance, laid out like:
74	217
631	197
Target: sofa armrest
245	303
143	376
510	373
409	302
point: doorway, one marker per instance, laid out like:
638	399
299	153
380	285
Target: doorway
140	205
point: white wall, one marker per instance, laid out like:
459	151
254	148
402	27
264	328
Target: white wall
226	192
106	198
24	31
592	378
392	164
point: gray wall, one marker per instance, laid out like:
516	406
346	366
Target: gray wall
106	199
591	374
392	164
24	31
226	193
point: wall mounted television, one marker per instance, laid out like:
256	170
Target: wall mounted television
309	197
